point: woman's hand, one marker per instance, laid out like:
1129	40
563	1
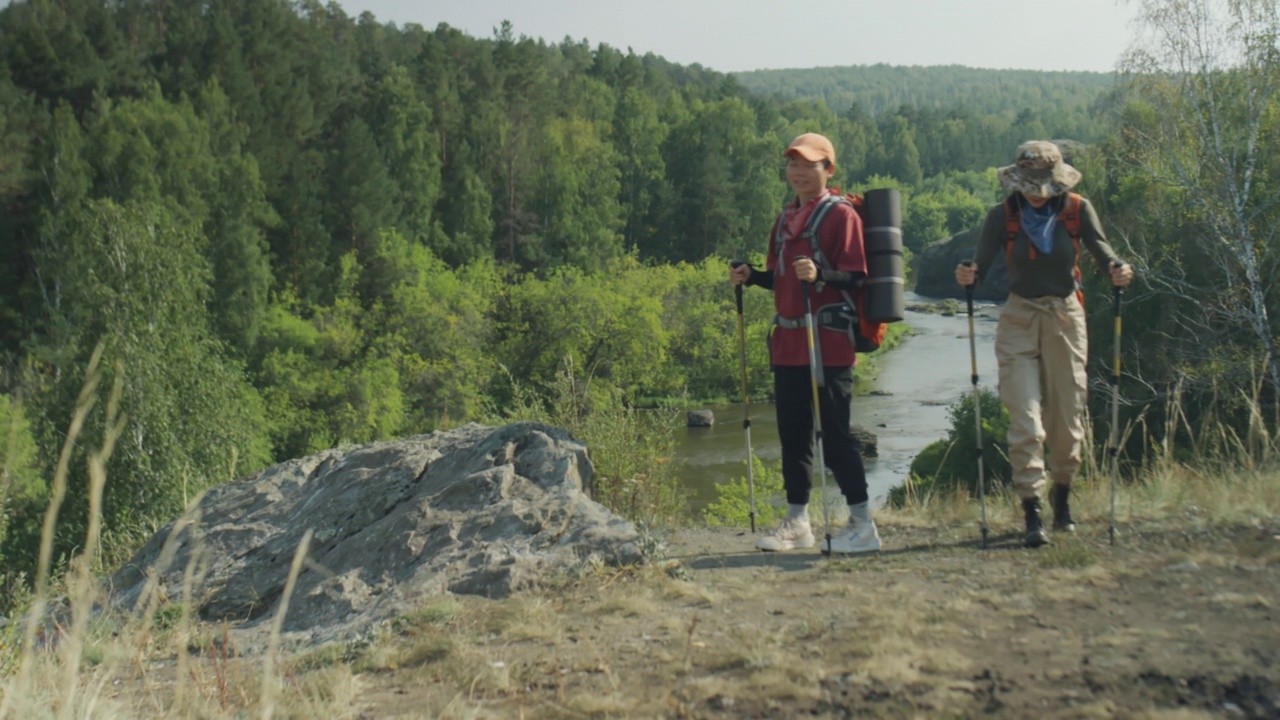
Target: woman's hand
806	271
966	274
1121	274
739	273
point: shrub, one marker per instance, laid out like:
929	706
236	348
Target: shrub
953	462
732	507
631	448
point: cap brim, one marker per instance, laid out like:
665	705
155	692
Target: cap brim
806	153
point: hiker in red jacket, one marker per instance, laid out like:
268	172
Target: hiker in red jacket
791	266
1041	340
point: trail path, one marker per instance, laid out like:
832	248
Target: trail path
1177	620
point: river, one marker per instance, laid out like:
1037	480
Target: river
920	379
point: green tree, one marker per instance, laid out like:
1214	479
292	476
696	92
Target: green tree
1204	128
21	123
239	216
401	122
324	375
470	215
520	109
898	156
70	52
437	327
134	278
22	493
638	137
700	315
607	326
362	200
577	201
725	184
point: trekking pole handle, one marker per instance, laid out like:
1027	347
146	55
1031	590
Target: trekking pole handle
802	257
1116	290
737	289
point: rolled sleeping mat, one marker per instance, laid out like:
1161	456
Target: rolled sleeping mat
882	238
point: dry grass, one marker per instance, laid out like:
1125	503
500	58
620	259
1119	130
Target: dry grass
646	642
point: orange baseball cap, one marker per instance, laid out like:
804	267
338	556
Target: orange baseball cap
812	147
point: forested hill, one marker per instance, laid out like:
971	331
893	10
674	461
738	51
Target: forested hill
882	88
283	228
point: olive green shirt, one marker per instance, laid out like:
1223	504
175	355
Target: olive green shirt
1047	274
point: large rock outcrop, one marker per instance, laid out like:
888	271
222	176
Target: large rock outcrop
936	270
475	510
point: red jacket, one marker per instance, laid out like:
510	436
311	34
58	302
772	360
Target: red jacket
840	238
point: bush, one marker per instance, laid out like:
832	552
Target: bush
732	507
631	448
947	464
20	485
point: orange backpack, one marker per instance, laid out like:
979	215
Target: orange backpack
869	335
1070	217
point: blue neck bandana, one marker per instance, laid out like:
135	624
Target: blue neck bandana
1039	224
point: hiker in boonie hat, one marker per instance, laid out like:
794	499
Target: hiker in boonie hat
1045	233
1038	170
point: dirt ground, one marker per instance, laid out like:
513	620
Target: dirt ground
1176	620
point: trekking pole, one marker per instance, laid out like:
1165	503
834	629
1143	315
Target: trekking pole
746	414
815	379
1114	440
977	409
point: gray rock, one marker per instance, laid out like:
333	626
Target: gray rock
475	510
868	443
700	418
936	270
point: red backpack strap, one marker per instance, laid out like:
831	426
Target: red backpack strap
1070	217
1012	223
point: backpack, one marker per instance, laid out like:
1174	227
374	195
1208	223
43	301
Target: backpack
866	333
1070	217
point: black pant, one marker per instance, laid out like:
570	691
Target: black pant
793	394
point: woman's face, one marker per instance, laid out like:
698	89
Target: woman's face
807	178
1036	201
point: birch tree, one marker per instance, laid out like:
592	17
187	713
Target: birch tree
1202	133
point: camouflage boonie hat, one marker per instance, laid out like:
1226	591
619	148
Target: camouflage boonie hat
1038	170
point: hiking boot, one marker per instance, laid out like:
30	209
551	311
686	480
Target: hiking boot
859	536
791	533
1058	500
1036	535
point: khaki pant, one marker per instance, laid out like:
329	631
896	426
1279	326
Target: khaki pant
1041	346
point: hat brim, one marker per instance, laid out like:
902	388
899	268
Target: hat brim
810	154
1048	183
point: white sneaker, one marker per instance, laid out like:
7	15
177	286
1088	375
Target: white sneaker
854	538
790	534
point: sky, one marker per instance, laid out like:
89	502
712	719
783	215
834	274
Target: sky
739	35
